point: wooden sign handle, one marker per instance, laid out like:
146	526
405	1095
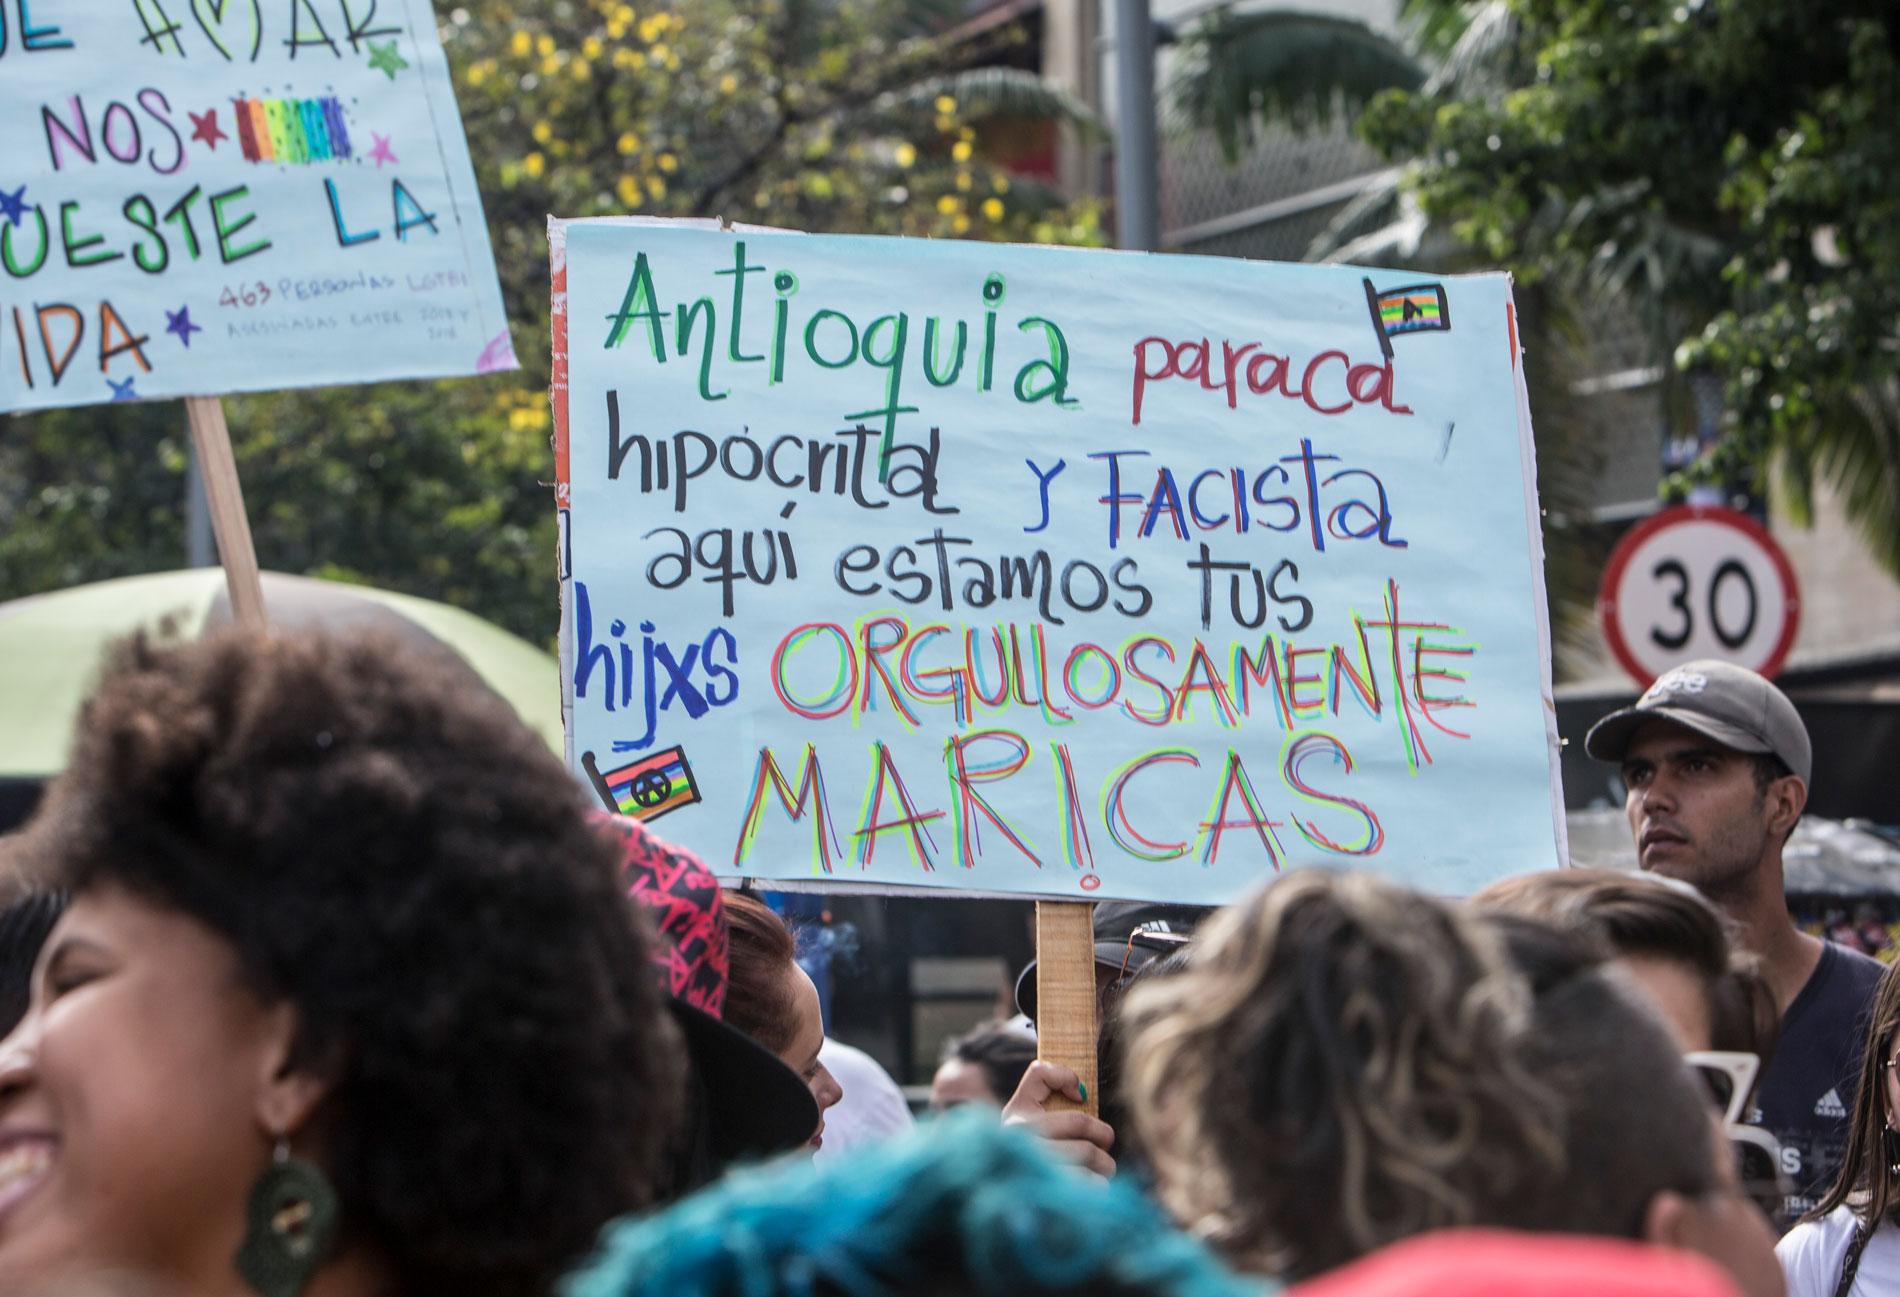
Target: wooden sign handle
1065	995
212	438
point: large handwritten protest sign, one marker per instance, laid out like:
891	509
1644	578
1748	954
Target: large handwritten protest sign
206	196
1046	571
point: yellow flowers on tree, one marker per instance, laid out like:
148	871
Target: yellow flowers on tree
834	115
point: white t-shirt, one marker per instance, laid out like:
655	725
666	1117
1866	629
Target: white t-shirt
873	1108
1811	1254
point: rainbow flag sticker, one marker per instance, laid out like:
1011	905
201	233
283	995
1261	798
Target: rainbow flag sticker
296	132
1416	308
655	785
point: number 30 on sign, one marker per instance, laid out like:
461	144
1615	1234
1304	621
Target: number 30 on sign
1698	582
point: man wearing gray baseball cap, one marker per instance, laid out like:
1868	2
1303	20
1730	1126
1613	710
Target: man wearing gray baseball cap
1716	763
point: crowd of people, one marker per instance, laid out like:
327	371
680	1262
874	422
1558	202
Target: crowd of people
320	979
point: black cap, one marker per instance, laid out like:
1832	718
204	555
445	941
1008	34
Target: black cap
748	1103
756	1105
1138	932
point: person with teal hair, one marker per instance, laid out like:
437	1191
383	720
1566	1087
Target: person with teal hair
962	1206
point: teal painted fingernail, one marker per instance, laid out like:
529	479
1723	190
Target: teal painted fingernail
1082	1091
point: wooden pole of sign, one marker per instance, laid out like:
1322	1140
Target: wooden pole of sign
212	439
1065	995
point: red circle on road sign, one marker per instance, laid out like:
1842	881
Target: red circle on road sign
1752	540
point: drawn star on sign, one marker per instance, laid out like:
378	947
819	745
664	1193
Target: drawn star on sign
13	205
381	153
384	58
204	127
122	391
179	322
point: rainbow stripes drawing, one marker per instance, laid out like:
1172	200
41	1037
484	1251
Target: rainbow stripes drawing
1416	308
293	131
657	784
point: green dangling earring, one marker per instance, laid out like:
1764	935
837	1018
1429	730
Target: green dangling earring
290	1225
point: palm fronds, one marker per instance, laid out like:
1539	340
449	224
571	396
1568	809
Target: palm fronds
1855	446
1486	55
983	93
1241	71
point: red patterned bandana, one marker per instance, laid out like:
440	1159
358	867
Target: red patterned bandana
682	896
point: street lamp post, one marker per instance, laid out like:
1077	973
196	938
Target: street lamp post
1136	186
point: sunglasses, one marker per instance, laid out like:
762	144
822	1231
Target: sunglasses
1728	1077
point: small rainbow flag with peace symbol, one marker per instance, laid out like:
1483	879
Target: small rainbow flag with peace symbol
655	785
1416	308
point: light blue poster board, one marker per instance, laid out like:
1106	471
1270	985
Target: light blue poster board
201	197
1049	572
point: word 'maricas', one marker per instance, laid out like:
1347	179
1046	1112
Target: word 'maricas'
976	762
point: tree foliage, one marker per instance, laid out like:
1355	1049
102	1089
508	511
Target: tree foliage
1245	69
826	115
1733	166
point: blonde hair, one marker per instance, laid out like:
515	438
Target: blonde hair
1336	1069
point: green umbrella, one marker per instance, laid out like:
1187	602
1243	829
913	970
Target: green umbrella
52	645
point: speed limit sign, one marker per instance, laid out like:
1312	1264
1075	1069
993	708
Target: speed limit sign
1698	582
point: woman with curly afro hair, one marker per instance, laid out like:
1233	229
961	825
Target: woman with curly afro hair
348	1000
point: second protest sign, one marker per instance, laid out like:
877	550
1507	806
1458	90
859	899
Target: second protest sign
203	198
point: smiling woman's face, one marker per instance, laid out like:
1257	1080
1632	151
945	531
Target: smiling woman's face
131	1121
